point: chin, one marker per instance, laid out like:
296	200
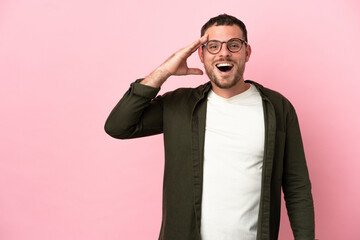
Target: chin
225	84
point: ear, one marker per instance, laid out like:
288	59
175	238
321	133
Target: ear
248	52
201	54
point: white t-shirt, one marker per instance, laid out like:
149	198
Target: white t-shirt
233	159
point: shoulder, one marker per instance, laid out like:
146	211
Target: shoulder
277	99
283	109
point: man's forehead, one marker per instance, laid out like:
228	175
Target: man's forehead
224	32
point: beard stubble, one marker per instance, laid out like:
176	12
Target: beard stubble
210	71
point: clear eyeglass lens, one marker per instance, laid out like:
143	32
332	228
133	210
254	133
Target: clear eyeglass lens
234	45
213	46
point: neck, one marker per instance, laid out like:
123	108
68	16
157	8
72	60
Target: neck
240	87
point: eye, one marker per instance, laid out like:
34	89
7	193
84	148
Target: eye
234	45
213	46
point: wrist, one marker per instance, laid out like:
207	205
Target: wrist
156	78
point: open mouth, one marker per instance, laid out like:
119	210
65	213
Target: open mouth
224	67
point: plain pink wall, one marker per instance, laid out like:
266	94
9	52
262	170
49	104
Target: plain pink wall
65	64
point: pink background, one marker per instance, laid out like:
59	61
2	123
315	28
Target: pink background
65	64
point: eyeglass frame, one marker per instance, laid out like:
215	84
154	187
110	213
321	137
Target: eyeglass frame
226	42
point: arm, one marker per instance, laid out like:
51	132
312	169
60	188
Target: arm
139	113
296	183
136	114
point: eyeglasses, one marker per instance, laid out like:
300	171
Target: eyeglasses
234	45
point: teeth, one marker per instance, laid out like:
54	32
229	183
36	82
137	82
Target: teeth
224	65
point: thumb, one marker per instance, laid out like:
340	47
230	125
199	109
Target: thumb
195	71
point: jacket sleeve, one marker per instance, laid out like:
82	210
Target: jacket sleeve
137	114
296	183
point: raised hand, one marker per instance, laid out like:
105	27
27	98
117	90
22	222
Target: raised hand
176	64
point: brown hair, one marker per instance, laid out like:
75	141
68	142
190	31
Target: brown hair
225	20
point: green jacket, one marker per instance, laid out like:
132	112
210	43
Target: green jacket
180	116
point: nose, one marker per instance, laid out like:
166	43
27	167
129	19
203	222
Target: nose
224	51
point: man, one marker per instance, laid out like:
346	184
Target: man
230	144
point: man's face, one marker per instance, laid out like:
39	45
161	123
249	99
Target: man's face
231	78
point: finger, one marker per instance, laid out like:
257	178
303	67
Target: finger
195	71
199	42
195	45
204	38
